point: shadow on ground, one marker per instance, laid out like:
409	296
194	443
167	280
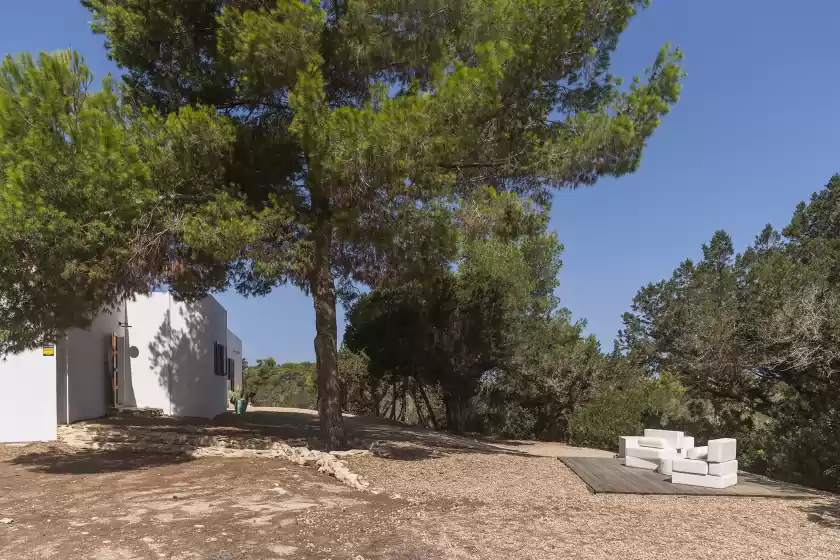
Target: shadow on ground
825	513
261	429
61	461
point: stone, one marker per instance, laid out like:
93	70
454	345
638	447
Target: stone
655	442
706	481
697	452
626	442
7	521
692	466
722	469
637	463
666	466
721	450
673	438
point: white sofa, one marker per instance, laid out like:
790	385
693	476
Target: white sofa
673	453
655	450
716	466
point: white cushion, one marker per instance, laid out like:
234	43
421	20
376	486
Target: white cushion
674	439
688	442
666	466
691	466
721	450
697	452
625	442
722	469
706	481
651	453
656	442
637	463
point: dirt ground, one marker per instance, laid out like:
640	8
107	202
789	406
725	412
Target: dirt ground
440	497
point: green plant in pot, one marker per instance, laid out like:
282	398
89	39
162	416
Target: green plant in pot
238	399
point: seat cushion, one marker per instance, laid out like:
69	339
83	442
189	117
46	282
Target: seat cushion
656	442
673	438
697	452
651	453
691	466
721	450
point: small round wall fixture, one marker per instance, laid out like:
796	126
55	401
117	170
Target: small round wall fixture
133	351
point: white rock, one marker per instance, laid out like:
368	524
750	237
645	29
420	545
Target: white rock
697	452
706	481
692	466
7	521
722	450
722	469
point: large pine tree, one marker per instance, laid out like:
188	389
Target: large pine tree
359	123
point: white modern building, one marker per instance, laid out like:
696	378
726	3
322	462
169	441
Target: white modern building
153	352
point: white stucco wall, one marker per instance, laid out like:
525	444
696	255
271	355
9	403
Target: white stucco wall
196	390
174	368
88	352
234	351
28	412
145	379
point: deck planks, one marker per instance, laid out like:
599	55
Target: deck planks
608	476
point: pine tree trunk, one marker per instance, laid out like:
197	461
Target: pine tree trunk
394	400
459	412
432	416
326	351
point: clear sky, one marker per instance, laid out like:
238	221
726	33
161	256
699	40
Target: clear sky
756	131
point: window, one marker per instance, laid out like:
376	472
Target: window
231	373
219	359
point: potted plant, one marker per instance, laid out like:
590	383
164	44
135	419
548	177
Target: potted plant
238	399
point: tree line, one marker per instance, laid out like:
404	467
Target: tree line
743	345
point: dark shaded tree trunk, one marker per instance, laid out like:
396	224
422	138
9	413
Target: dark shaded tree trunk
326	350
394	399
418	408
403	401
432	416
459	412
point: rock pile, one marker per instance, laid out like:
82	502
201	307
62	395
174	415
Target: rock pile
199	445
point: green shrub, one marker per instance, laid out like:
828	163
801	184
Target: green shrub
620	411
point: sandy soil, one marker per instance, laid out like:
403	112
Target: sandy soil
441	497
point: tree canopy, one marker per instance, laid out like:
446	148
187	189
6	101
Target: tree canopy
91	191
754	338
358	122
290	384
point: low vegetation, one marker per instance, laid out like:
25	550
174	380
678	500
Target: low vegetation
271	384
742	345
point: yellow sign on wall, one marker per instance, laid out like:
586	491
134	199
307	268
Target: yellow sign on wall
49	350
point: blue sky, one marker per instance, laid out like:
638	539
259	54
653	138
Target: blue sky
756	131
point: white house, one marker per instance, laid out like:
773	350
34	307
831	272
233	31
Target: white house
234	352
153	352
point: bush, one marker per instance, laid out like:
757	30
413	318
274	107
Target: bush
615	411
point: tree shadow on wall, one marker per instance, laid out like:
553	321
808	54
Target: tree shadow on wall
183	358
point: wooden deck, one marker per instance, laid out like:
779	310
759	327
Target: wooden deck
609	476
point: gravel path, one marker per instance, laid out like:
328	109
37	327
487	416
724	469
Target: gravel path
506	506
